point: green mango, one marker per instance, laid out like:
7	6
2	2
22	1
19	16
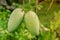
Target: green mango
32	22
15	19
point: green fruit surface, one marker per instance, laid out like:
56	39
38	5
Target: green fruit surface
32	22
15	19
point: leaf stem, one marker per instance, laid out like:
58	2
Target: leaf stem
23	5
36	5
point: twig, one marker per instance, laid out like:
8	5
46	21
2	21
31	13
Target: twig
50	5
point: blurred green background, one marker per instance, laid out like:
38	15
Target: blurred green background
50	19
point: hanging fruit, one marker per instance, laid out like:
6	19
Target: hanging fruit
15	19
32	22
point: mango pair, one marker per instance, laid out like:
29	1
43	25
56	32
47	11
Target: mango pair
30	18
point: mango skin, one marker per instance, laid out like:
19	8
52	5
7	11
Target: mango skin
15	19
32	22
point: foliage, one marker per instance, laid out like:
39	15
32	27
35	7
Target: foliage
49	19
